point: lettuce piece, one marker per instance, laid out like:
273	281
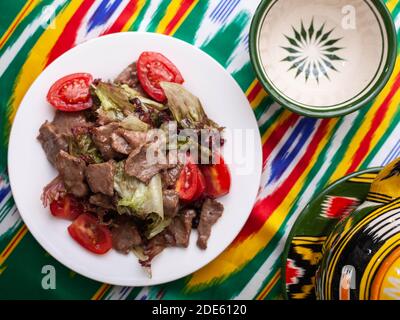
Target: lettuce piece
186	107
82	146
155	225
132	93
133	123
108	108
138	198
115	106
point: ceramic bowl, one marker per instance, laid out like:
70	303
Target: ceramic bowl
345	245
303	250
323	58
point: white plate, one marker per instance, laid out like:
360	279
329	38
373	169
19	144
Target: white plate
105	57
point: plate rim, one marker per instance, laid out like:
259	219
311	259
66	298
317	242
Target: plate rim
258	162
348	108
302	216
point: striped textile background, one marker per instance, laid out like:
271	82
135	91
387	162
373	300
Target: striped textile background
301	155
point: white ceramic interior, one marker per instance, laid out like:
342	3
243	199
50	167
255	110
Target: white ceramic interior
322	53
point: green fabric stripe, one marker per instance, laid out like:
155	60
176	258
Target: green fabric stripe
159	14
263	106
134	293
267	279
7	81
10	10
271	120
135	26
192	23
28	260
224	37
245	76
6	208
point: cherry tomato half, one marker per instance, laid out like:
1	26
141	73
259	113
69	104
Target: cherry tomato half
218	178
71	93
187	183
153	68
67	207
201	185
87	231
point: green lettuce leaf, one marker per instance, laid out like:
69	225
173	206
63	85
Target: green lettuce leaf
186	107
115	106
133	123
82	146
132	93
137	198
155	225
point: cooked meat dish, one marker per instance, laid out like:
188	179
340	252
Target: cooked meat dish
121	180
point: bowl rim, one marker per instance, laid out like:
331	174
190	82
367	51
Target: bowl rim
302	217
345	109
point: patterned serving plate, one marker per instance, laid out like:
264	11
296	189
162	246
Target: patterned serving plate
323	58
302	253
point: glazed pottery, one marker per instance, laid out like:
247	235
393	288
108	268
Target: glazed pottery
303	250
323	58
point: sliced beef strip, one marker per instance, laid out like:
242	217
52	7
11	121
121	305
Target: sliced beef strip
125	236
170	176
136	139
171	203
102	139
210	213
127	141
52	141
72	171
101	200
129	77
152	248
119	144
100	177
178	232
138	166
66	121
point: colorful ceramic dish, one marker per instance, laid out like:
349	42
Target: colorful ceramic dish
303	250
323	58
346	243
361	256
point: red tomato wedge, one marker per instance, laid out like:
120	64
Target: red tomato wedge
218	178
71	93
67	207
153	68
87	231
187	183
201	185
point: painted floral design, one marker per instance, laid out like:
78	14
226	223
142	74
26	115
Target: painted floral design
312	51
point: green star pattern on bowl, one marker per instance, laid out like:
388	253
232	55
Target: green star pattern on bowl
312	52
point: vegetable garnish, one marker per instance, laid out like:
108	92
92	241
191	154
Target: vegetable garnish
67	207
217	177
187	184
71	93
153	68
87	231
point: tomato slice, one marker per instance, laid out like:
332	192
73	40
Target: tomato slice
153	68
201	185
67	207
87	231
71	93
218	178
187	183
